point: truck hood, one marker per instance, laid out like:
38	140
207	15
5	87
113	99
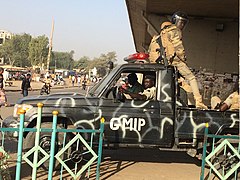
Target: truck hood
51	99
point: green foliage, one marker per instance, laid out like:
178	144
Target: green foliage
82	63
6	51
85	63
64	60
38	50
24	50
15	50
101	62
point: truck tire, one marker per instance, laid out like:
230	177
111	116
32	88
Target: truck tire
225	159
45	143
229	159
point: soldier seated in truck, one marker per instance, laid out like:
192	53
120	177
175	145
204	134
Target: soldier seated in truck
150	90
135	86
232	101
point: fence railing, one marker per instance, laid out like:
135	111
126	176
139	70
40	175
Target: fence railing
72	150
222	159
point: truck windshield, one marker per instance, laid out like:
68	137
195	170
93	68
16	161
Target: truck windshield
97	88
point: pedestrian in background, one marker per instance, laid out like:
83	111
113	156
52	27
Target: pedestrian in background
73	80
26	86
79	81
3	97
69	80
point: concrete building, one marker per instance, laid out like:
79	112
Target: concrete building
4	35
211	38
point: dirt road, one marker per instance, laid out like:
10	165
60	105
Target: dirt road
130	164
126	164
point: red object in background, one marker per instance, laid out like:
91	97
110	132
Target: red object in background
137	58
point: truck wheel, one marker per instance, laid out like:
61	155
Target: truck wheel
45	143
79	155
225	158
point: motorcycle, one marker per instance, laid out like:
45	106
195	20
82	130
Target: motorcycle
45	89
59	81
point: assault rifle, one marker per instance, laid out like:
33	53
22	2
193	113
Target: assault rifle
162	58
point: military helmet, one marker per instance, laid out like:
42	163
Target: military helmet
180	19
165	24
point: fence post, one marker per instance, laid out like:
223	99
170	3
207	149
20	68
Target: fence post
100	147
52	151
204	150
20	143
38	126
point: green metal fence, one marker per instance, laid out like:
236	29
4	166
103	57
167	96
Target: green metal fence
222	159
78	146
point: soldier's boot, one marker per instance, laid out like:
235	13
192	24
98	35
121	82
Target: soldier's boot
197	96
200	105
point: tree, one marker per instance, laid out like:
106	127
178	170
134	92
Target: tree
64	60
101	62
7	51
23	60
15	50
38	50
82	63
111	56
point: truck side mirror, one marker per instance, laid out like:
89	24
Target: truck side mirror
118	95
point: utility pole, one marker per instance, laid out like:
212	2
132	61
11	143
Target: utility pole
55	64
50	46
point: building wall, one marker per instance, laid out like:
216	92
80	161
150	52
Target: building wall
207	48
212	55
4	35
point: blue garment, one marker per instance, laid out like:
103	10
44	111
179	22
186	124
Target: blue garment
25	86
25	92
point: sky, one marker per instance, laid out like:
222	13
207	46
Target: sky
88	27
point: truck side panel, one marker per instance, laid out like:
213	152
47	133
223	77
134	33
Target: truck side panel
190	123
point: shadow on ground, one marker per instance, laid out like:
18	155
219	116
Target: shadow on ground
113	162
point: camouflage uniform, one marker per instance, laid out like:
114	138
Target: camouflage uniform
150	93
233	101
152	50
171	37
215	101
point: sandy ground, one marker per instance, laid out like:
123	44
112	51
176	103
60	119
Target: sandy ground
129	164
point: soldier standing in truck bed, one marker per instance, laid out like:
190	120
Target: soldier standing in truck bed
3	97
170	39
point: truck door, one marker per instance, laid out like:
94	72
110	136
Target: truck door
133	121
166	98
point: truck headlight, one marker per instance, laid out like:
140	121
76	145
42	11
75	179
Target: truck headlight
18	107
